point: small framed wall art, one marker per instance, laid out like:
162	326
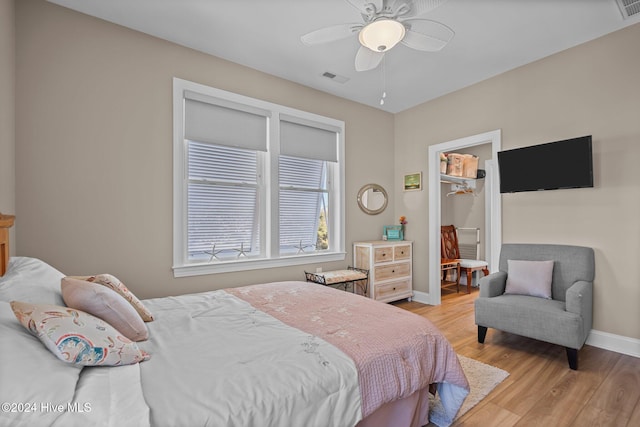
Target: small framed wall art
413	181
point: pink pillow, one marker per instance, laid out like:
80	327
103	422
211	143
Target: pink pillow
106	304
116	285
529	278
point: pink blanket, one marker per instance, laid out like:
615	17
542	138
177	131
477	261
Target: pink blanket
396	352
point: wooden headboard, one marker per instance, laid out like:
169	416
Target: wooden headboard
6	221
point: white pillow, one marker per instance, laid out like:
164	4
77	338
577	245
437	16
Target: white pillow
31	280
529	278
105	304
77	337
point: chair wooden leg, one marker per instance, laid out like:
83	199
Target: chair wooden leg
572	356
485	271
482	333
469	278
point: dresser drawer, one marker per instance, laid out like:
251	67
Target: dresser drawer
389	290
383	254
401	252
391	271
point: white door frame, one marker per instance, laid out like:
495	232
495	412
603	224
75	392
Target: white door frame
493	205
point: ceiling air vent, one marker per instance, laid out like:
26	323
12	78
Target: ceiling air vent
629	7
337	78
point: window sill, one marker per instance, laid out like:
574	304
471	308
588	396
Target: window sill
200	269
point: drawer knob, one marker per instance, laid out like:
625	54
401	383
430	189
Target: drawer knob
394	289
393	271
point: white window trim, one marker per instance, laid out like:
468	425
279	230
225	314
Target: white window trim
181	266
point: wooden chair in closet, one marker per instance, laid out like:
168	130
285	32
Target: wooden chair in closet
449	250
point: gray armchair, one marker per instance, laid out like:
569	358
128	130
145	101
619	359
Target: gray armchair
563	320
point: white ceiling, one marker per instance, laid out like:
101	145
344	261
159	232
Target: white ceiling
492	36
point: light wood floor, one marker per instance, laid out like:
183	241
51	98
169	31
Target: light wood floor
541	390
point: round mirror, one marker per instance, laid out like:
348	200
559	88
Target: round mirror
372	199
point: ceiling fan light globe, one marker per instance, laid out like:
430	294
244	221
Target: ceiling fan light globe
381	35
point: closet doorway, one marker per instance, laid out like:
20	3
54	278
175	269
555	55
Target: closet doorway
493	205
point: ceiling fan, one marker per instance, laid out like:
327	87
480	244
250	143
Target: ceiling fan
385	24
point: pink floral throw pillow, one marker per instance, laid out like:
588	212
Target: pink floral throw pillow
77	337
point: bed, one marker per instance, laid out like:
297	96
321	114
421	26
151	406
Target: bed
275	354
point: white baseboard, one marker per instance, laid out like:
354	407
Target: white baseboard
421	297
604	340
617	343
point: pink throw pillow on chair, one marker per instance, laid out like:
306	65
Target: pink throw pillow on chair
529	278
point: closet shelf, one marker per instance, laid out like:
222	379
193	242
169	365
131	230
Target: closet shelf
449	179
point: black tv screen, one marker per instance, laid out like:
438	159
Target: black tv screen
551	166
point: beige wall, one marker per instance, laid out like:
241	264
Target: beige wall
7	112
586	90
94	148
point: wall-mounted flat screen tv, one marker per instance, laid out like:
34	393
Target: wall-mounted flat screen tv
551	166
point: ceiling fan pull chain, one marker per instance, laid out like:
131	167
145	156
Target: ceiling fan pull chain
384	81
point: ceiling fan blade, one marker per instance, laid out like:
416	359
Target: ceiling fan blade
419	7
329	34
426	35
366	59
364	5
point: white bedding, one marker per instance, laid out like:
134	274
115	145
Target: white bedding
217	361
107	397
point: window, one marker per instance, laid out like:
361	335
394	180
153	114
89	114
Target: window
223	197
303	204
256	185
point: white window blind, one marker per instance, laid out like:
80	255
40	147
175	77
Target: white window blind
223	202
303	201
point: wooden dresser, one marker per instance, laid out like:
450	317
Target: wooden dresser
390	268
